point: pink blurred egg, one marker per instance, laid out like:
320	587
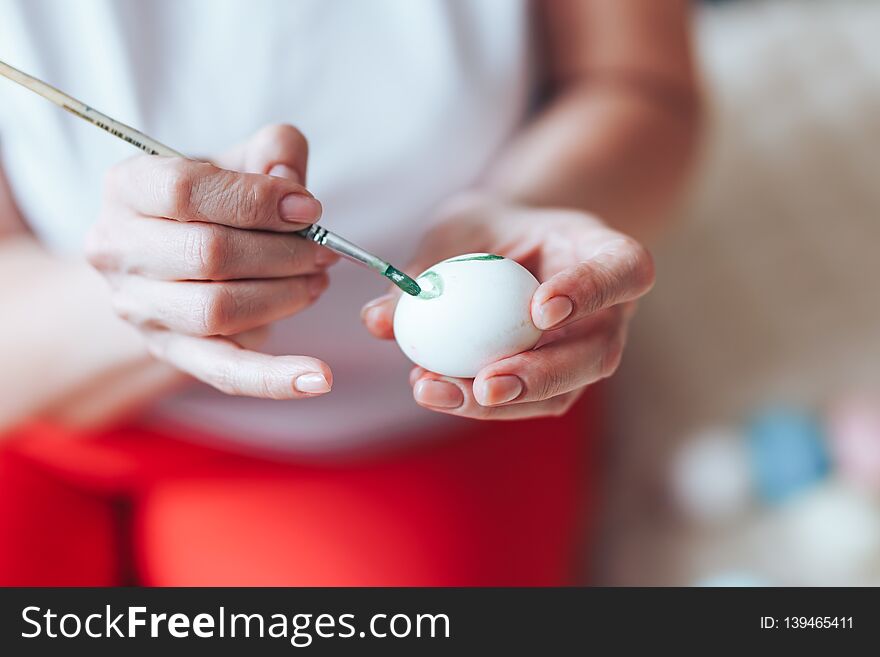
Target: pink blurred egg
854	434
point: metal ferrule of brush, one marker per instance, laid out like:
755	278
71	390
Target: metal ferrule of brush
343	247
315	233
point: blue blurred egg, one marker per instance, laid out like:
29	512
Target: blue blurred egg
788	452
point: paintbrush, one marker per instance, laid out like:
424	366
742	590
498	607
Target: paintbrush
149	145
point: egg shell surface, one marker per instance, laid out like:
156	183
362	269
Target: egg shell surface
475	309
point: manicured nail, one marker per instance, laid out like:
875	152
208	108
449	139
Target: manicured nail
438	394
415	374
375	304
317	284
298	208
313	383
500	390
553	311
284	171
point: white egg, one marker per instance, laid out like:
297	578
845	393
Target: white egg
474	310
711	475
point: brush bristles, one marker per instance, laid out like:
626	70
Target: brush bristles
403	281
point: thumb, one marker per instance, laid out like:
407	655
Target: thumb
378	315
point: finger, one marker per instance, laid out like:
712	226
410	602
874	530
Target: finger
170	250
277	150
378	316
204	309
186	190
415	374
456	397
554	369
221	363
622	271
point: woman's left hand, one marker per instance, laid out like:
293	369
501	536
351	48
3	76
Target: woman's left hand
591	276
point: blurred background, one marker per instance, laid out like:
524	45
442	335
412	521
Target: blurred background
746	432
744	444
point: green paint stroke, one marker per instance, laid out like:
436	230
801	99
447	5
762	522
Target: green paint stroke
482	256
432	285
402	281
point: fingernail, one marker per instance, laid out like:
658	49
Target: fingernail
284	171
373	317
438	394
500	390
314	383
317	284
297	208
553	311
415	374
373	305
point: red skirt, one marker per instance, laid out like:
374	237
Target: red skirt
486	503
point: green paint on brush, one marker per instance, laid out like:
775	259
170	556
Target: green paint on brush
402	281
432	285
482	256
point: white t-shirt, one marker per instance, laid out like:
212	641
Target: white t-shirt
404	102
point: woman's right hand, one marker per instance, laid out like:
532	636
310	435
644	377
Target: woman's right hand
201	258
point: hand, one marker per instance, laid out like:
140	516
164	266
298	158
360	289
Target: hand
590	278
200	257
